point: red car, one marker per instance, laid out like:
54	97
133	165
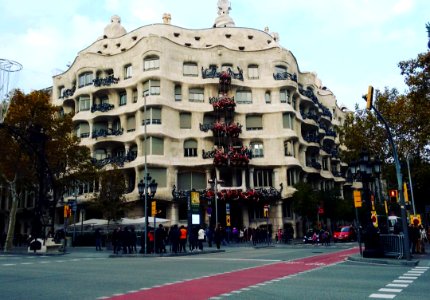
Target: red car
344	233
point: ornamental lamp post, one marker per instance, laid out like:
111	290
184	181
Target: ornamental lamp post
147	190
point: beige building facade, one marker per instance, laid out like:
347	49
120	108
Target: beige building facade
224	102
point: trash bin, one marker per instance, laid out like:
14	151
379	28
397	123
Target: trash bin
69	241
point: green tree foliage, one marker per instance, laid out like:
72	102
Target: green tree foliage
111	200
305	201
39	151
408	117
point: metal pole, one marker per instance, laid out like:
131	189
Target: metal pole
410	184
216	202
358	231
74	218
399	185
146	176
155	220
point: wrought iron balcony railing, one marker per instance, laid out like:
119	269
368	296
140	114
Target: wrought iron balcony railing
285	76
103	107
212	72
117	160
107	81
106	132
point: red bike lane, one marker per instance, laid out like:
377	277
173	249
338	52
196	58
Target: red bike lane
211	286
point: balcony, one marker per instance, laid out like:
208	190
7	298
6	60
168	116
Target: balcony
212	72
222	103
233	157
231	130
314	164
107	81
106	132
312	138
117	160
103	107
68	93
285	76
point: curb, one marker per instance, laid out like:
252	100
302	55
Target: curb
166	254
383	261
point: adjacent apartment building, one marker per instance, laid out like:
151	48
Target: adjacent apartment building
226	103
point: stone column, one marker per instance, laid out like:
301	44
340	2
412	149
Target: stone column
251	178
245	215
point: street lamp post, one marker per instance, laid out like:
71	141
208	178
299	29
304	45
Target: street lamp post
215	182
147	190
365	170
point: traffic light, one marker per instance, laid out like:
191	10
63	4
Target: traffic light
393	194
374	218
67	211
405	192
369	97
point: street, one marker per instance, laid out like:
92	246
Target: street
280	272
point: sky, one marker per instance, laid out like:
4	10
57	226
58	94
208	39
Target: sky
350	44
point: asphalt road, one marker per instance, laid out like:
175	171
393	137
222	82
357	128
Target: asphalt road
304	272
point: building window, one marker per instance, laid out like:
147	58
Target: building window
253	72
131	124
151	87
289	148
104	99
325	164
158	174
152	116
84	103
151	63
155	146
178	93
185	120
243	97
100	154
122	98
288	120
191	180
85	79
196	95
254	122
257	149
190	148
134	95
267	97
190	69
263	178
280	69
61	90
83	130
128	71
291	177
283	96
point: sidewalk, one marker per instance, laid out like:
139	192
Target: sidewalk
416	259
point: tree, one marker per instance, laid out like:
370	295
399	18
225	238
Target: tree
408	116
111	200
41	154
305	201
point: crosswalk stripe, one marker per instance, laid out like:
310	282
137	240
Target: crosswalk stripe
382	296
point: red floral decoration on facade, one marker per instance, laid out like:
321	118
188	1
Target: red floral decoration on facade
224	102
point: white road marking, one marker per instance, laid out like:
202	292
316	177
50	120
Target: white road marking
407	277
390	290
382	296
402	281
397	285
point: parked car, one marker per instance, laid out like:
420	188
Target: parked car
344	233
309	237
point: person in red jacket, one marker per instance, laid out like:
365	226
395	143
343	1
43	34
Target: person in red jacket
182	238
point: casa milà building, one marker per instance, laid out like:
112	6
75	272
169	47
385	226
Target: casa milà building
223	102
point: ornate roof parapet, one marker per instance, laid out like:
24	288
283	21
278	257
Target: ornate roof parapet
224	19
114	29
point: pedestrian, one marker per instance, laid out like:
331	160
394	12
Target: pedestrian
201	238
209	235
159	239
182	238
133	240
115	241
174	238
218	236
423	237
98	237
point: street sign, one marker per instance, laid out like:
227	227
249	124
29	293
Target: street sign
415	219
357	198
